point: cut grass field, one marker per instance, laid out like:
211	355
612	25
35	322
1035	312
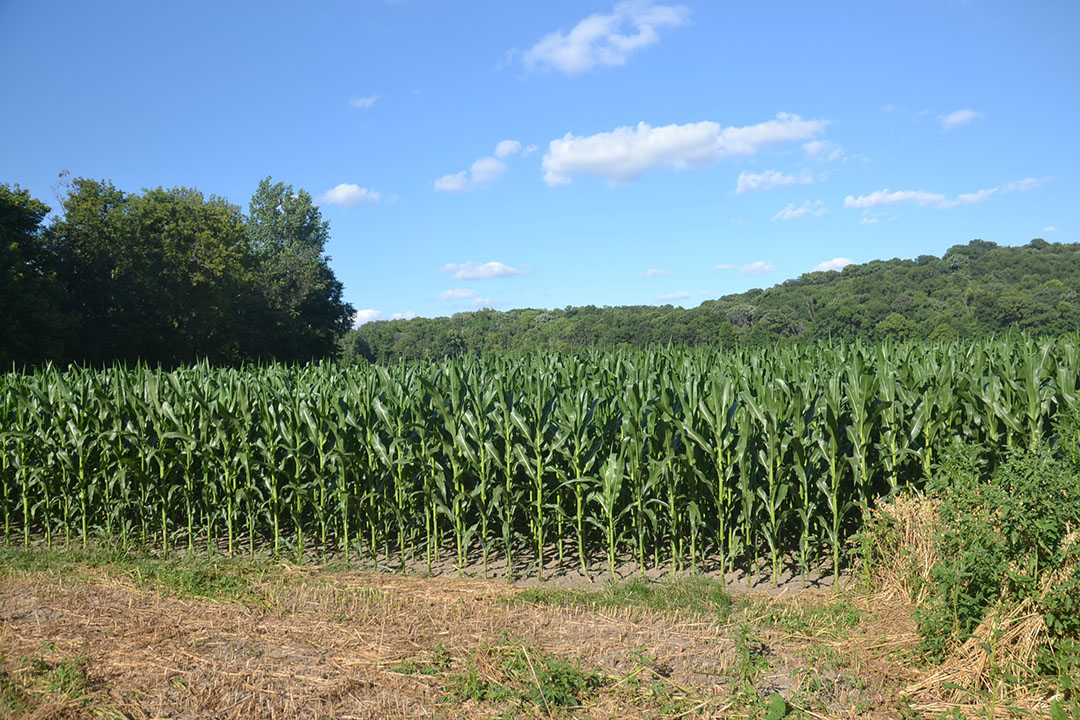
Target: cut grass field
85	635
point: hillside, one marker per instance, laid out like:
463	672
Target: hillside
973	290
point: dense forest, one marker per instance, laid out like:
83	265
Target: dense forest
974	290
169	276
166	277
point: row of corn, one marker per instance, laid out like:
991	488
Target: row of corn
681	458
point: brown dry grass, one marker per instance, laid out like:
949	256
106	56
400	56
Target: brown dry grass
318	649
904	532
320	644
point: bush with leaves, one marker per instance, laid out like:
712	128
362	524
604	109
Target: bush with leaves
1008	533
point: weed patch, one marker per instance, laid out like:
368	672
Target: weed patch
695	594
523	678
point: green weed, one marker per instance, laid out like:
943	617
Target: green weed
694	593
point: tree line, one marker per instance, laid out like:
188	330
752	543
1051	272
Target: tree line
165	276
975	290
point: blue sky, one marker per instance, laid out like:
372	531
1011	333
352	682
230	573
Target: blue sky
544	154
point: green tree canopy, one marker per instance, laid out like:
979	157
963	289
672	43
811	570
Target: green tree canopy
30	319
166	276
299	312
975	290
154	277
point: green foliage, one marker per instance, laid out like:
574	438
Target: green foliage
750	662
776	707
67	678
697	594
830	619
974	291
437	661
166	277
192	578
675	458
1004	535
558	682
30	320
151	277
514	674
299	313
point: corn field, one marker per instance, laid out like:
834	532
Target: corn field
676	458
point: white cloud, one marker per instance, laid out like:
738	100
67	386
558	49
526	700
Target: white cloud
604	39
937	200
472	271
482	172
483	302
823	150
1049	229
625	152
759	267
681	295
652	272
958	118
834	264
457	294
407	315
366	316
507	148
770	179
724	267
888	197
453	183
485	170
1023	185
807	209
349	195
363	103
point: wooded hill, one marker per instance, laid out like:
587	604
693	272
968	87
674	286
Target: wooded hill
974	290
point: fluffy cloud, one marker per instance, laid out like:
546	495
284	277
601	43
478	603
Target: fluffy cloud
823	150
807	209
1049	229
370	315
652	272
958	118
472	271
604	39
937	200
724	267
483	171
770	179
887	197
506	148
759	267
834	264
366	316
625	152
453	183
349	195
681	295
363	103
456	294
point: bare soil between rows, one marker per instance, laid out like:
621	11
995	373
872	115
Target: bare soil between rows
324	644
